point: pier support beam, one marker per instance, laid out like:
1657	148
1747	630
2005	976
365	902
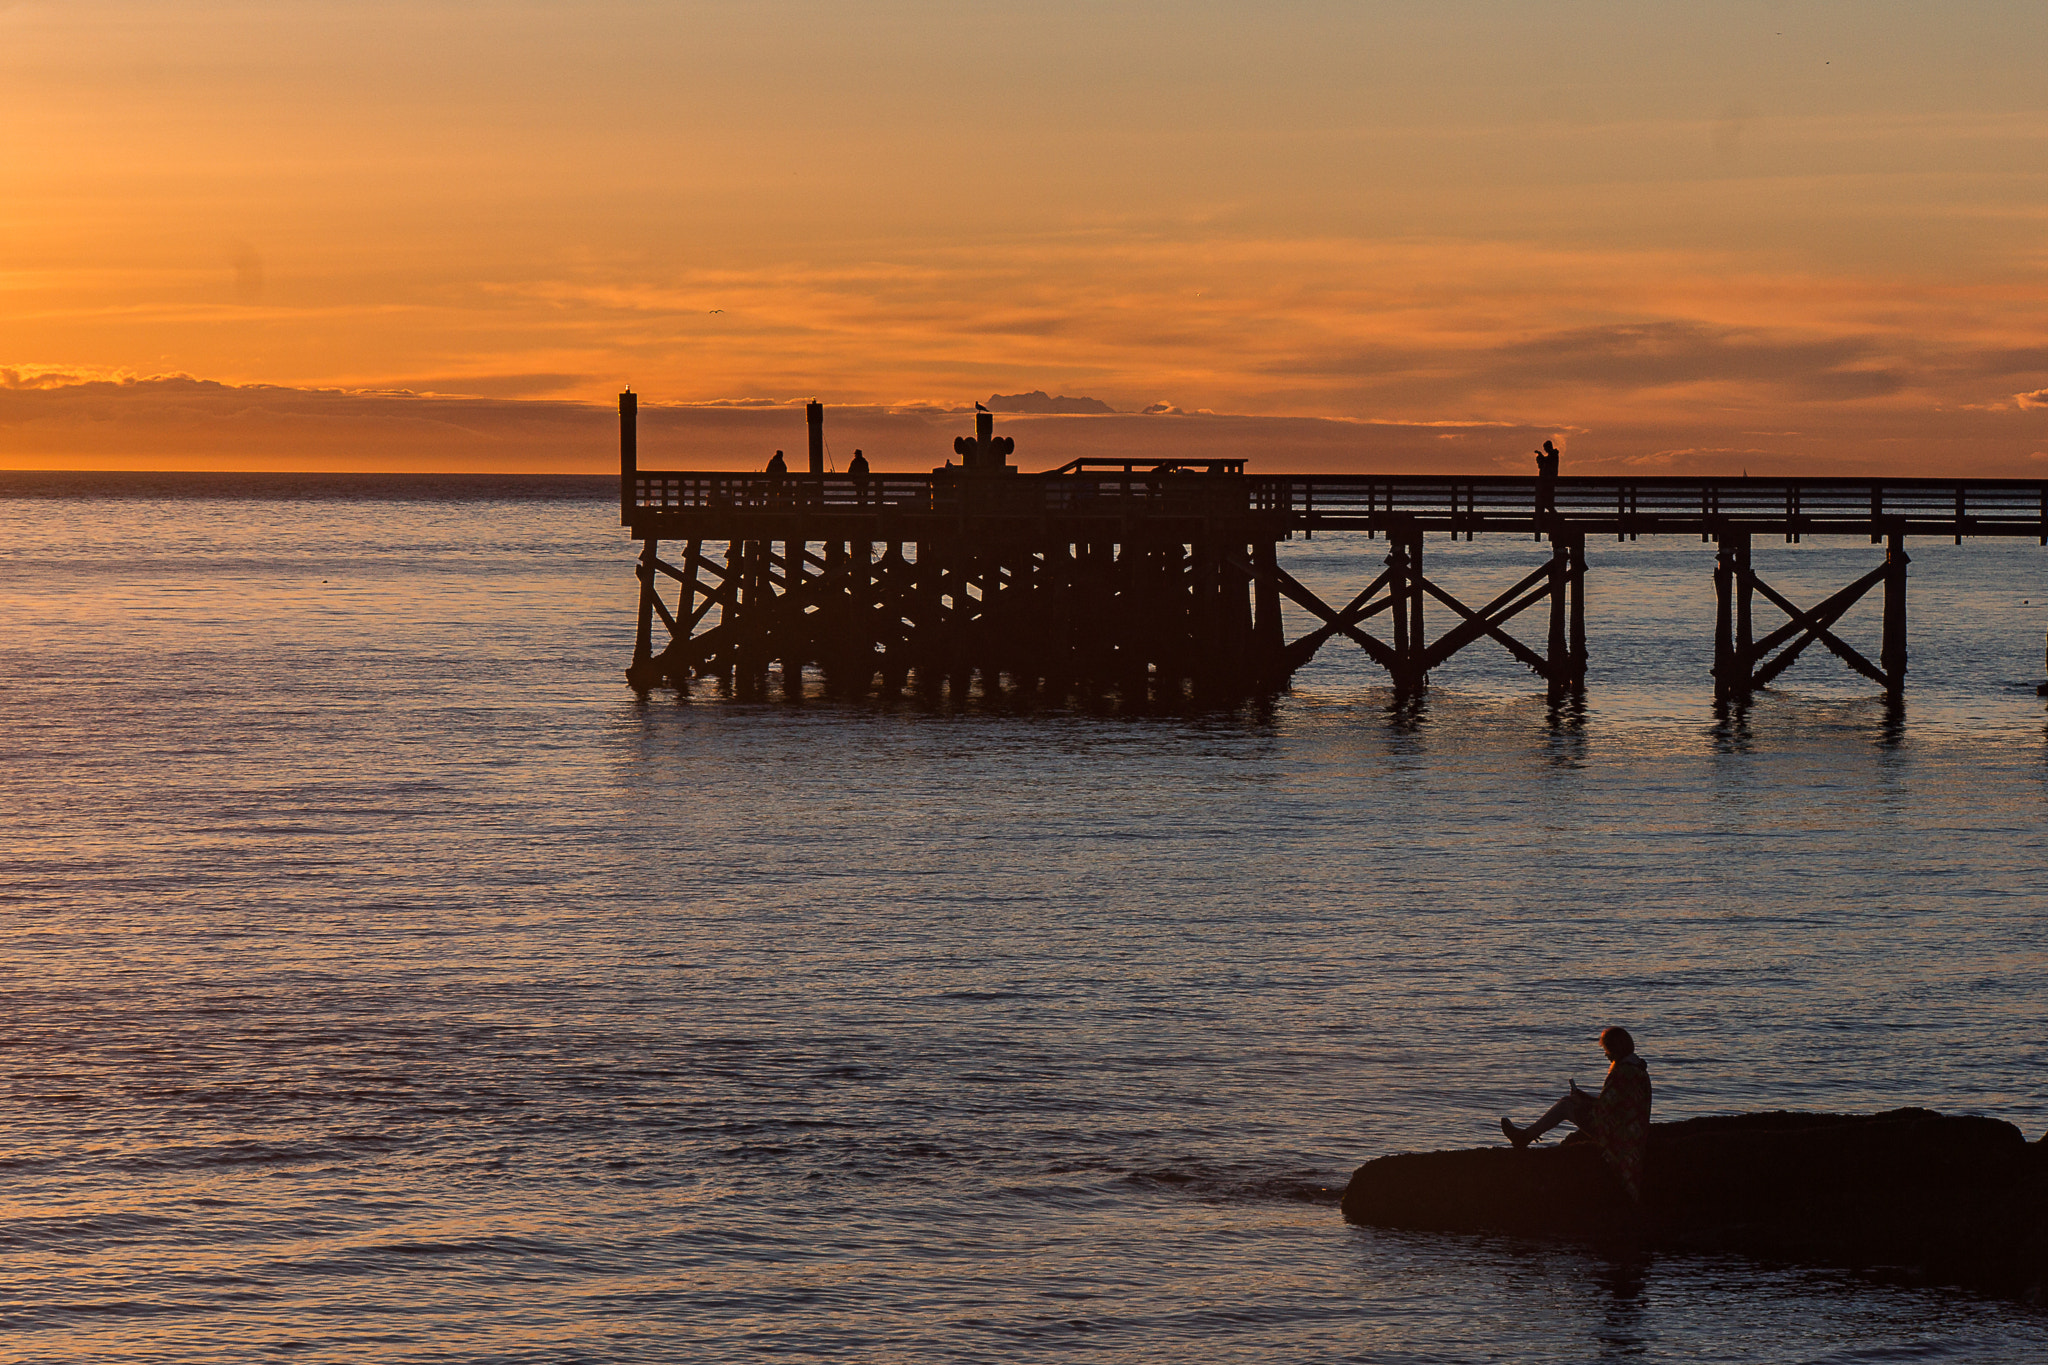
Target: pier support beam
1892	653
1578	547
1732	648
1411	656
643	636
1742	665
1566	664
1269	635
1404	581
1142	610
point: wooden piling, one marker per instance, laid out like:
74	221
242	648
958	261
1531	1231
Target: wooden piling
1891	656
1745	596
1578	586
1731	680
1418	676
643	637
1560	650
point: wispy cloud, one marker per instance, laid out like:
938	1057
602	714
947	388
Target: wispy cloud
181	422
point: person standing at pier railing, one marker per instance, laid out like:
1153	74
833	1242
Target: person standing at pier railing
1547	460
777	467
1617	1119
858	469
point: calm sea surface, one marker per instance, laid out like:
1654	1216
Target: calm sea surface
384	981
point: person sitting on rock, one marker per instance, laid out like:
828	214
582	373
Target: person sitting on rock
1617	1119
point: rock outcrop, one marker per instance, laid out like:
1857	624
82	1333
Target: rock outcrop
1908	1193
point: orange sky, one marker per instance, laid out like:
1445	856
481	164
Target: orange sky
439	235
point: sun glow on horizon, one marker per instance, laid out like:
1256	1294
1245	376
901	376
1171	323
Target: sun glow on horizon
1744	233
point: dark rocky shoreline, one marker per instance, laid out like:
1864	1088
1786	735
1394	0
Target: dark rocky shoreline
1908	1193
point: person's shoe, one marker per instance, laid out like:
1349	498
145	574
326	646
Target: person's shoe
1515	1135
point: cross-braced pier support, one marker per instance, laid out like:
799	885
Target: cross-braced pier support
1102	606
1399	591
1743	663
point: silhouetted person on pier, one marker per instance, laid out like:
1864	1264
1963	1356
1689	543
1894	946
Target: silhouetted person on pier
1546	463
859	470
1617	1119
778	466
1546	485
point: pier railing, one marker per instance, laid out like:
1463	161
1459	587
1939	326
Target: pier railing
1057	494
1795	507
2001	507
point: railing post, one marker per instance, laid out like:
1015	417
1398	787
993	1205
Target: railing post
629	453
1891	657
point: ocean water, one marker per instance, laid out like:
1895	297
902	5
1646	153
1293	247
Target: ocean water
385	981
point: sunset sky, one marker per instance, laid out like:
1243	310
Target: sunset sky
437	235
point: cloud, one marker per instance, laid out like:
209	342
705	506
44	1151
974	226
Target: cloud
181	422
1635	358
1663	354
170	422
2037	399
489	385
1037	401
44	377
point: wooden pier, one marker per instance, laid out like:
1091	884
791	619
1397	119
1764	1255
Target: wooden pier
1151	575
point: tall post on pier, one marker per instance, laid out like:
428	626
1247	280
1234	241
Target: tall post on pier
814	414
1891	659
629	453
